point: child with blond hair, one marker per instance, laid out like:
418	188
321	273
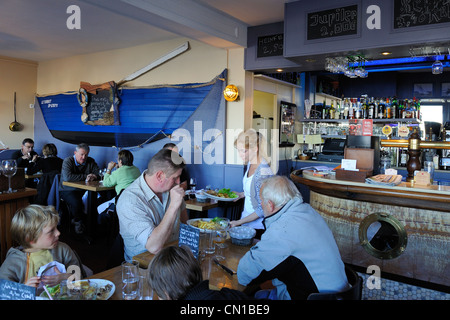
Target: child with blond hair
34	230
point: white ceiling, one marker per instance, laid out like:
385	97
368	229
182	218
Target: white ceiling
36	29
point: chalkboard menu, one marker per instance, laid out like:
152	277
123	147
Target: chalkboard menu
10	290
190	237
269	46
99	104
330	23
412	13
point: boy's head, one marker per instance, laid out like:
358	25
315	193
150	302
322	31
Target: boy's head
33	223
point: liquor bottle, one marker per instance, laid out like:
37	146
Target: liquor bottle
358	110
346	109
381	108
387	109
371	109
401	109
394	107
338	112
351	110
332	110
324	109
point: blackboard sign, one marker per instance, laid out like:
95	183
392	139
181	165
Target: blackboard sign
190	237
269	46
10	290
336	22
412	13
99	104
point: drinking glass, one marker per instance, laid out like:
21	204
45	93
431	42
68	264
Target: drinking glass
145	291
9	170
219	241
130	279
428	166
193	183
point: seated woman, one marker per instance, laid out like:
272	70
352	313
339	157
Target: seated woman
121	178
50	165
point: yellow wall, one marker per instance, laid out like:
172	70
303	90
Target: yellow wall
18	76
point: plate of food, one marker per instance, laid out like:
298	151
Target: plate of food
222	194
89	289
209	224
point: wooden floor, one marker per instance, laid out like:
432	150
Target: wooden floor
94	255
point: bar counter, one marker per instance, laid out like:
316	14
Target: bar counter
420	216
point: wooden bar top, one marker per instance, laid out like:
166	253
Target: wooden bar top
406	194
21	193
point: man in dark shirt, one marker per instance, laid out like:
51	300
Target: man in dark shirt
26	154
79	167
26	158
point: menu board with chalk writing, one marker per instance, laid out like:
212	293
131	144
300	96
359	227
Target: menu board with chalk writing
10	290
190	237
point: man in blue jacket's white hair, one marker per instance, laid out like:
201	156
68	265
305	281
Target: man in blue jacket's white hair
297	251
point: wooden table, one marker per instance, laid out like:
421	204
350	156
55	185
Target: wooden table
9	204
92	187
218	278
33	176
193	204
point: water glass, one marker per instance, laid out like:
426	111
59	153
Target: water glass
206	241
428	166
145	290
130	279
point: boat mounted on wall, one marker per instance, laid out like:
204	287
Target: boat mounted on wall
131	116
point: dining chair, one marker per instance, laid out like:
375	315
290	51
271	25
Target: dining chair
352	293
232	209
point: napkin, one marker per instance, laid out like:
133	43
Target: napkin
51	271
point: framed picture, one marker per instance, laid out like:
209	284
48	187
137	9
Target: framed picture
445	89
423	90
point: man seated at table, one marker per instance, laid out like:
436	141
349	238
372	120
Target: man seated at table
184	175
175	274
79	167
151	208
297	251
26	158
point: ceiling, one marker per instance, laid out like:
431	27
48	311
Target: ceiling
37	30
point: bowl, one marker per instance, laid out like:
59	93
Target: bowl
201	197
242	235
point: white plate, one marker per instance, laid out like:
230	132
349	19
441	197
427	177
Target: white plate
220	198
101	283
190	221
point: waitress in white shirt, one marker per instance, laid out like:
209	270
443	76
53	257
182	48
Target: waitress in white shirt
251	146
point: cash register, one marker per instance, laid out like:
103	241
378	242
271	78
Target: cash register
332	150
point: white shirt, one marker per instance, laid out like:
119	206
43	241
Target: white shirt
248	207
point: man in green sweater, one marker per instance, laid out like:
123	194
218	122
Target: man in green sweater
121	178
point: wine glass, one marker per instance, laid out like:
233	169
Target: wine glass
219	241
9	169
193	183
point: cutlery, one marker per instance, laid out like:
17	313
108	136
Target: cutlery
224	267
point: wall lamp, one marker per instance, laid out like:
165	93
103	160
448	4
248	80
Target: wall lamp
231	93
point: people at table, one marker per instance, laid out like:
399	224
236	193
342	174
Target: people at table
50	165
175	274
297	251
184	175
34	229
79	167
151	208
120	178
25	156
251	146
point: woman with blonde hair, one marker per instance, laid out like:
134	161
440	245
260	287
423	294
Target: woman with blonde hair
251	146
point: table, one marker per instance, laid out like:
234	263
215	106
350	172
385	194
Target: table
202	207
9	204
92	187
218	278
33	176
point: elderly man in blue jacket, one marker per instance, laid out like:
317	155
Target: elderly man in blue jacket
297	251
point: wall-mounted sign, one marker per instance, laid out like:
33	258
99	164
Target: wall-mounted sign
269	46
330	23
409	13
